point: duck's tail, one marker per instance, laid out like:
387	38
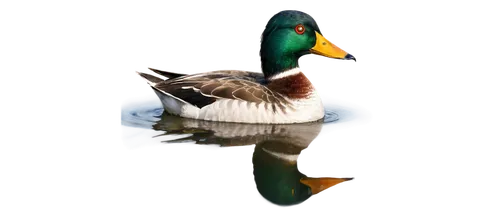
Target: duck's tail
152	80
171	104
169	75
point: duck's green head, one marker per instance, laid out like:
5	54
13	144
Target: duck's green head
289	35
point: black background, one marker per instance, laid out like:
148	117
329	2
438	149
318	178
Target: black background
227	36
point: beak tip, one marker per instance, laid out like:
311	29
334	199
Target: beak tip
349	56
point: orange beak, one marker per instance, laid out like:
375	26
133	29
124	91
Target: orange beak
324	47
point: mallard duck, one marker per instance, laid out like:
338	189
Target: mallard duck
280	94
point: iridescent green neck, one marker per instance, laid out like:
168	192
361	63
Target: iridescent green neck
273	63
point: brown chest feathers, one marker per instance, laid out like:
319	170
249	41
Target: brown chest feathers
295	86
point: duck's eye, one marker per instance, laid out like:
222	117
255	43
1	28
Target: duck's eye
300	29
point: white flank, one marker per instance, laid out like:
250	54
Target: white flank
228	110
286	73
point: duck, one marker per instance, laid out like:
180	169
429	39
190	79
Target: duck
281	94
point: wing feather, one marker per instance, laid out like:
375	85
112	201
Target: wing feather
204	89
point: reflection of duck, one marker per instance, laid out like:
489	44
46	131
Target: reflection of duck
235	134
275	168
278	178
282	94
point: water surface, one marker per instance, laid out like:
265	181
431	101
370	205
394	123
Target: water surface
144	123
277	147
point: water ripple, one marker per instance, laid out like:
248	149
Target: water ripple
141	115
341	115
